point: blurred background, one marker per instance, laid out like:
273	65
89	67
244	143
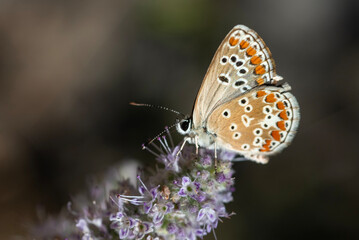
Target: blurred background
68	70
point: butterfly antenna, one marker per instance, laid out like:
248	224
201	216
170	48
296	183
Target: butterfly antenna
157	136
156	106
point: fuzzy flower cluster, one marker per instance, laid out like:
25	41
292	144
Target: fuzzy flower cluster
184	198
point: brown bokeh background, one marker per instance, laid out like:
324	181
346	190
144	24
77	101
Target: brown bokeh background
69	68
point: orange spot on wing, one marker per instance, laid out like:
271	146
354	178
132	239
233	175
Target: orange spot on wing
281	125
280	105
270	98
276	135
260	81
251	51
233	41
244	44
256	60
261	93
283	115
266	146
259	70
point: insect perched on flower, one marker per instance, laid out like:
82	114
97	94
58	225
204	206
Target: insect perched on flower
240	107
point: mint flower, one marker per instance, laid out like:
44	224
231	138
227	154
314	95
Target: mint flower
184	198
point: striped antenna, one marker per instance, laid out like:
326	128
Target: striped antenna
157	136
156	106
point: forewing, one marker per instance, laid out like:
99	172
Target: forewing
241	62
260	122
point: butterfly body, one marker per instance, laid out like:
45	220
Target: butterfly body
239	106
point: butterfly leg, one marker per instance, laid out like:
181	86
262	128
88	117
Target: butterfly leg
215	157
186	139
196	142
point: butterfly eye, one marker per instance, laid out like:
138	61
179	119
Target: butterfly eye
184	126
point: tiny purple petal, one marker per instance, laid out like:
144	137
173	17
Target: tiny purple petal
141	190
182	192
131	235
123	232
82	225
147	226
211	214
200	232
140	236
115	225
200	197
206	160
186	181
197	184
220	177
172	228
200	215
157	217
154	192
170	207
209	228
131	222
147	207
193	209
116	216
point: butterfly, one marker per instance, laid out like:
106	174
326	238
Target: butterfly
240	106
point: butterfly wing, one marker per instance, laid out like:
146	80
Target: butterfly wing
241	62
257	123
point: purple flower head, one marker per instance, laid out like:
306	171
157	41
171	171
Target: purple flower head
183	199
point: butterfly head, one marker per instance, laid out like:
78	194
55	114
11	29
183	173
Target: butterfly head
184	126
